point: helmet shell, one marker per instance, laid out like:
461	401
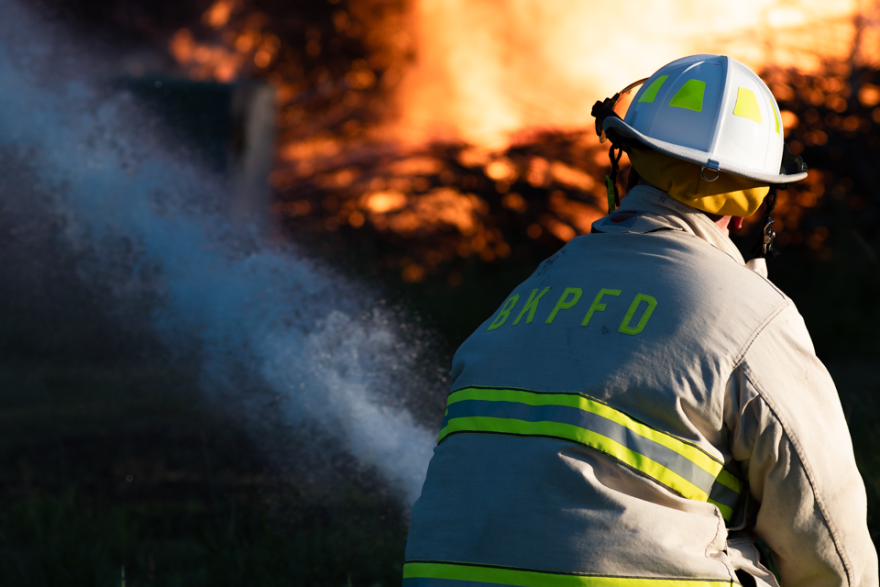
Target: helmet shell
711	110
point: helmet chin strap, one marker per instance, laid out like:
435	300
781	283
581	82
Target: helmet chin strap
601	111
611	180
764	248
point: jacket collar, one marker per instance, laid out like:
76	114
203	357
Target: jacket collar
647	209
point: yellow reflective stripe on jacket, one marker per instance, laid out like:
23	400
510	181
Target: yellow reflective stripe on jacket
728	479
412	571
679	465
582	436
692	453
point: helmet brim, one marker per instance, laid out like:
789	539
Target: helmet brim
696	156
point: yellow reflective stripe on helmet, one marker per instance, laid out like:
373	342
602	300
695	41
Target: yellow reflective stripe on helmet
681	466
747	105
528	578
690	95
651	91
775	114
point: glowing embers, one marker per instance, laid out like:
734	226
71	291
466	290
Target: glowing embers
501	169
223	61
448	202
204	61
360	77
869	95
441	208
234	42
383	202
454	220
219	12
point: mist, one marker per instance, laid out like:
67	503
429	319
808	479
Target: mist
99	209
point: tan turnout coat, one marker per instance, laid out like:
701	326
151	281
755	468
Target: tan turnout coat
608	422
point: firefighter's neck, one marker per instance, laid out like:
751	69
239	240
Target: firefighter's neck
722	222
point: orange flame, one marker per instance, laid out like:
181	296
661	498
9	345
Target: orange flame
485	70
483	77
218	14
240	49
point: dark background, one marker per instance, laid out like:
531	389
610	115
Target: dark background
108	458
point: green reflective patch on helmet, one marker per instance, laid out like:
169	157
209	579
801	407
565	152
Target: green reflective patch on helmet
651	91
690	96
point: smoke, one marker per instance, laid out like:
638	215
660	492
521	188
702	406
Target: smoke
84	170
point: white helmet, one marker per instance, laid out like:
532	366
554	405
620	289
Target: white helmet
713	111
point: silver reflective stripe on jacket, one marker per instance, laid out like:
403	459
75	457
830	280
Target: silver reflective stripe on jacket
672	462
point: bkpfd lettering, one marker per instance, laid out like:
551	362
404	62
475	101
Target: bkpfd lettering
638	312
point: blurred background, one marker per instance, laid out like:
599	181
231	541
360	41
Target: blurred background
240	241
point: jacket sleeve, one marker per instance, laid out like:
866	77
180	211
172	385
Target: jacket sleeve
789	433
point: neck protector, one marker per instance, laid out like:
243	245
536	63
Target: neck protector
726	195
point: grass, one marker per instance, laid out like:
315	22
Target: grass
105	468
67	541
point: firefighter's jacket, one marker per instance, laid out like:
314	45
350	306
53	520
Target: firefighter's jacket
609	424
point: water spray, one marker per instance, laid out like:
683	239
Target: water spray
250	308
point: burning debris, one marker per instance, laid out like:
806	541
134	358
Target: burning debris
452	200
346	164
833	119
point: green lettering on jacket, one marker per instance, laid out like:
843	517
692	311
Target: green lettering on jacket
504	313
597	306
531	306
564	302
631	323
625	325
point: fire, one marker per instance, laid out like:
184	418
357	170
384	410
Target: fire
484	71
205	62
381	202
455	127
236	50
218	14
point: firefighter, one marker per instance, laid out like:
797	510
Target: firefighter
646	410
